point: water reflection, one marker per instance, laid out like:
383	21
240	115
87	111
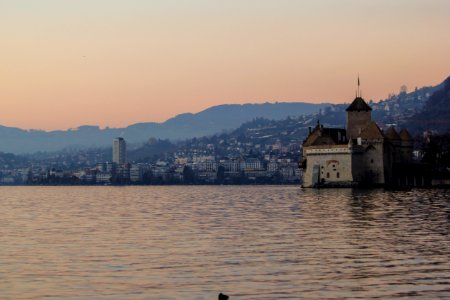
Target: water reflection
247	242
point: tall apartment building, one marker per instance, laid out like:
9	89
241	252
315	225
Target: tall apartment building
119	153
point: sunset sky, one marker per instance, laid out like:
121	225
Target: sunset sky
66	63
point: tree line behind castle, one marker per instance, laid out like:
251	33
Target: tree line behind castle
261	151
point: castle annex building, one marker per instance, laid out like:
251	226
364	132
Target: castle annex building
361	154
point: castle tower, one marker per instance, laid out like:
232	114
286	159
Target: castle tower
407	144
359	115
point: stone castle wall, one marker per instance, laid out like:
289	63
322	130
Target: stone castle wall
373	163
356	122
327	165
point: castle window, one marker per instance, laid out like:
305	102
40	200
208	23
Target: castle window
371	161
328	175
337	175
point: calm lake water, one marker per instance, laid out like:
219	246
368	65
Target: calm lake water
250	242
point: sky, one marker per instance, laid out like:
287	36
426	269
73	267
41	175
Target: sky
66	63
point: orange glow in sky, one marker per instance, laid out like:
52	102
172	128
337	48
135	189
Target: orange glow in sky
114	63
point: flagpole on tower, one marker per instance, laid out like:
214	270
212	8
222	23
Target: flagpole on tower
359	92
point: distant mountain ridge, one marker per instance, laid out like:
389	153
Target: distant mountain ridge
424	108
435	114
213	120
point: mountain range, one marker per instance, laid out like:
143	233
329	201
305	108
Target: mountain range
216	119
435	115
426	108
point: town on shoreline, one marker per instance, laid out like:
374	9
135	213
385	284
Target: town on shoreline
280	166
314	150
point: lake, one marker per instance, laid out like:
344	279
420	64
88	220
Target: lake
250	242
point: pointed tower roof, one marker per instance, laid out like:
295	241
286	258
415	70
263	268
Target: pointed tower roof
372	131
392	134
359	105
404	135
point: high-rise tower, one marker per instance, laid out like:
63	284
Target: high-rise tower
119	151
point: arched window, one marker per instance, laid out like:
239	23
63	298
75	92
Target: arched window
328	175
337	175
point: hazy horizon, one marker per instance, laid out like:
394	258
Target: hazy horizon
174	116
189	112
115	63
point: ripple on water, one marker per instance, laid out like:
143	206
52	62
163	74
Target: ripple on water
251	242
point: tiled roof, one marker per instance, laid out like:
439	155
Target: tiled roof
323	140
404	135
312	137
359	105
325	136
392	134
372	131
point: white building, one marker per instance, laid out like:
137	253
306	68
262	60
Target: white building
253	164
103	177
136	173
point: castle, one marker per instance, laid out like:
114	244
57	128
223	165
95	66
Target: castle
360	155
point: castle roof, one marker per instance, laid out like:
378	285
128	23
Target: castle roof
325	136
404	135
359	105
372	131
392	134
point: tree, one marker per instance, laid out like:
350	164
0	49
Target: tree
147	177
188	174
220	174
